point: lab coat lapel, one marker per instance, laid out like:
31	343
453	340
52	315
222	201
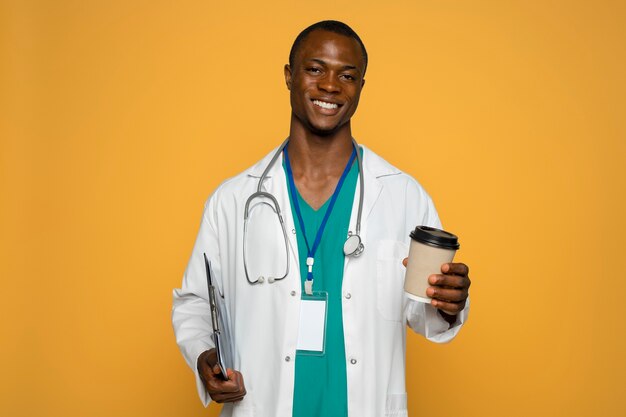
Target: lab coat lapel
372	190
373	186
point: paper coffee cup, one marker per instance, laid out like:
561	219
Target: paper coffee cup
430	248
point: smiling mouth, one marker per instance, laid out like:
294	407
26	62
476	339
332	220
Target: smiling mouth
325	104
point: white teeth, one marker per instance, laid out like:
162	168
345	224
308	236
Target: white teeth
325	105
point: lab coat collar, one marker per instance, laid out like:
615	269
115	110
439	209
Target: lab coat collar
257	169
374	168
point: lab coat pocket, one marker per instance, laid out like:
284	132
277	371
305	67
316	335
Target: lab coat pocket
390	279
396	405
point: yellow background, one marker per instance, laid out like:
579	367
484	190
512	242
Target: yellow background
118	119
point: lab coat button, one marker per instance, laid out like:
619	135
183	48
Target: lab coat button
293	293
293	231
348	295
287	358
353	361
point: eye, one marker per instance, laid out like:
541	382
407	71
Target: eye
313	70
348	77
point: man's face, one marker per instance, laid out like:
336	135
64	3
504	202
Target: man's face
325	81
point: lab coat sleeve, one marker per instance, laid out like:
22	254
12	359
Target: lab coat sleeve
421	317
191	315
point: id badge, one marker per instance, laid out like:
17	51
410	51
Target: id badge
312	328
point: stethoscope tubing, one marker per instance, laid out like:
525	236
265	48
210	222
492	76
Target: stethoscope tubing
276	209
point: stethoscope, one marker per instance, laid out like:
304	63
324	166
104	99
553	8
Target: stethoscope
353	245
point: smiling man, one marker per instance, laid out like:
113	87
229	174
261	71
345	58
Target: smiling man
307	249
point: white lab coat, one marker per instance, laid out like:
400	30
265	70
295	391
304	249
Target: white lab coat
264	317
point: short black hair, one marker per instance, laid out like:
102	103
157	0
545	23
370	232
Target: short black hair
329	26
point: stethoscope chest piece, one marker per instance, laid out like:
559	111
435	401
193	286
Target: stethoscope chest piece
353	246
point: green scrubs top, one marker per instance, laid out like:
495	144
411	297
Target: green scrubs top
320	382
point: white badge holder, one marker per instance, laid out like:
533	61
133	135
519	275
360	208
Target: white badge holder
312	328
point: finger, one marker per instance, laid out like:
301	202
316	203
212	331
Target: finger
455	269
447	294
238	379
219	386
219	398
405	261
452	281
236	399
222	396
233	385
206	361
207	372
451	308
210	376
227	398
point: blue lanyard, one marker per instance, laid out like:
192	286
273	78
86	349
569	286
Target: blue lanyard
318	237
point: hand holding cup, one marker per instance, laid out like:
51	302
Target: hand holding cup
431	276
449	290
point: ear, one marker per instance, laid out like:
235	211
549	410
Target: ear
287	71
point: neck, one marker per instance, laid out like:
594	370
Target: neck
316	156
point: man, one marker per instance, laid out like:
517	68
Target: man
360	369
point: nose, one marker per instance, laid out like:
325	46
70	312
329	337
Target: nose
329	83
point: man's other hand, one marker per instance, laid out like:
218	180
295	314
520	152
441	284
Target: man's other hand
220	390
449	290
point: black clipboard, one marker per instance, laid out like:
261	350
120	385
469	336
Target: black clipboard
220	323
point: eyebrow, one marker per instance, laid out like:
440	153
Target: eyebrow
345	67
